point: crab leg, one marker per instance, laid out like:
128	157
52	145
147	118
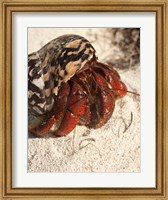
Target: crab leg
104	103
75	109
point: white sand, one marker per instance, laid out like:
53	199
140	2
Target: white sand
113	148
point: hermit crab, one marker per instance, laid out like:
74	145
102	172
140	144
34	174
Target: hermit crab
67	86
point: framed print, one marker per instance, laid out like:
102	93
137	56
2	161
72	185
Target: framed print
84	100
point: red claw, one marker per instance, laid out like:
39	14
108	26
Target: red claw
75	108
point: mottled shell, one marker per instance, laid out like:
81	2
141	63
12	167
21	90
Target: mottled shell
52	66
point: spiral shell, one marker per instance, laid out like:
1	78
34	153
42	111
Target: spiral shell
52	66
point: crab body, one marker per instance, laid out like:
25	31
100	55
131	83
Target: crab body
68	86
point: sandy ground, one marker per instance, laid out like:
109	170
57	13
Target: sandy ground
113	148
